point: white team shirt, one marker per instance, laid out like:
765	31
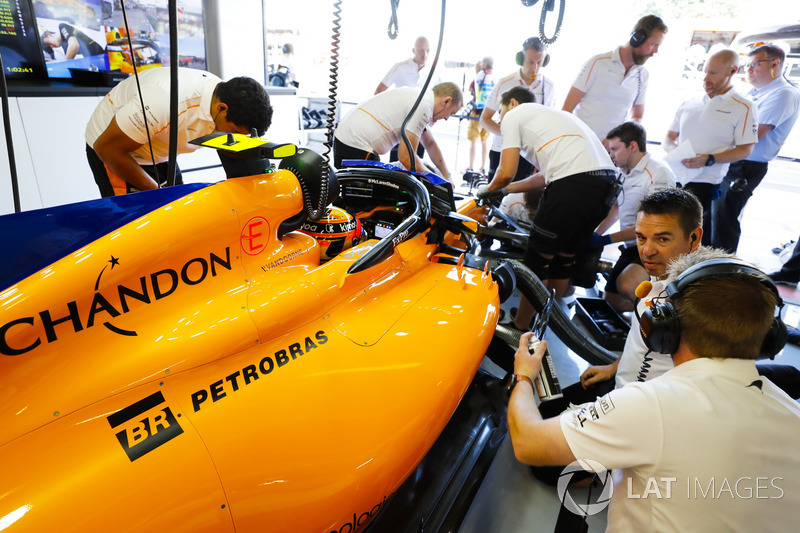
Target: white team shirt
610	91
714	125
708	446
635	359
542	89
554	141
195	91
407	74
648	176
374	126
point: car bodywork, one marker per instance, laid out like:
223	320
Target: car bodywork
196	368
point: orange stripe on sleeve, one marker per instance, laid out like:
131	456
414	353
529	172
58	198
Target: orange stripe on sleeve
746	116
591	69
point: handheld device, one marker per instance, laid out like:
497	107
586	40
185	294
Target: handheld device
547	385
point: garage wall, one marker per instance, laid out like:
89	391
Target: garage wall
48	131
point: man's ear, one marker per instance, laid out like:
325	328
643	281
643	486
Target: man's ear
695	237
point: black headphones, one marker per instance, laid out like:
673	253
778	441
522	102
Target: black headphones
531	43
660	327
639	36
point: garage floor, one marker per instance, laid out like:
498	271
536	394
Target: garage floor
510	499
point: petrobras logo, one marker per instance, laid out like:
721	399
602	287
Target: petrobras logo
48	325
579	470
145	425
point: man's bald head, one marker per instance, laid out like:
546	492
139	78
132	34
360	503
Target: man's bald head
728	58
421	49
719	70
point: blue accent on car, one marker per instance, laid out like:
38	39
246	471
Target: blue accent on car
31	240
433	178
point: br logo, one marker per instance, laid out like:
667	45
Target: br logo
145	425
594	505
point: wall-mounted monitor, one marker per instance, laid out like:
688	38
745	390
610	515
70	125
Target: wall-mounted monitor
19	41
65	39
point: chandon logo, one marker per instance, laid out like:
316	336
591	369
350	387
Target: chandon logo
113	303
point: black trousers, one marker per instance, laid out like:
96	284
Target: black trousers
343	151
792	266
707	194
524	168
158	173
746	175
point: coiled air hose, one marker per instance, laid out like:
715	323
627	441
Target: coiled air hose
316	212
534	290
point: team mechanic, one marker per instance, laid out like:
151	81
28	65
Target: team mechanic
706	446
579	177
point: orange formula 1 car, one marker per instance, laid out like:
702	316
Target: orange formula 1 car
181	360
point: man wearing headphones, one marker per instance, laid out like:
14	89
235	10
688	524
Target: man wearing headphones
611	84
707	446
778	104
531	59
668	226
722	127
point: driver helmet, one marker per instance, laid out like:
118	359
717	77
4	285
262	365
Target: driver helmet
335	232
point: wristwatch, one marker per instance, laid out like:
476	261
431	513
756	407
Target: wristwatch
514	379
711	160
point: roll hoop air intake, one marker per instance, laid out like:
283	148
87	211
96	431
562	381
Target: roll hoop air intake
534	290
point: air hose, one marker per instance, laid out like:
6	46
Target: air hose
534	290
316	212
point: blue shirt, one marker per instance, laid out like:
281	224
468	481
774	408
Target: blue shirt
778	105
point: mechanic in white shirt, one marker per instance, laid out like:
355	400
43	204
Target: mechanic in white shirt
613	84
707	446
412	71
644	175
373	127
722	127
577	176
531	59
119	144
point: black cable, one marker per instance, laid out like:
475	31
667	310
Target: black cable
549	5
139	88
393	19
411	154
645	369
173	95
12	163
